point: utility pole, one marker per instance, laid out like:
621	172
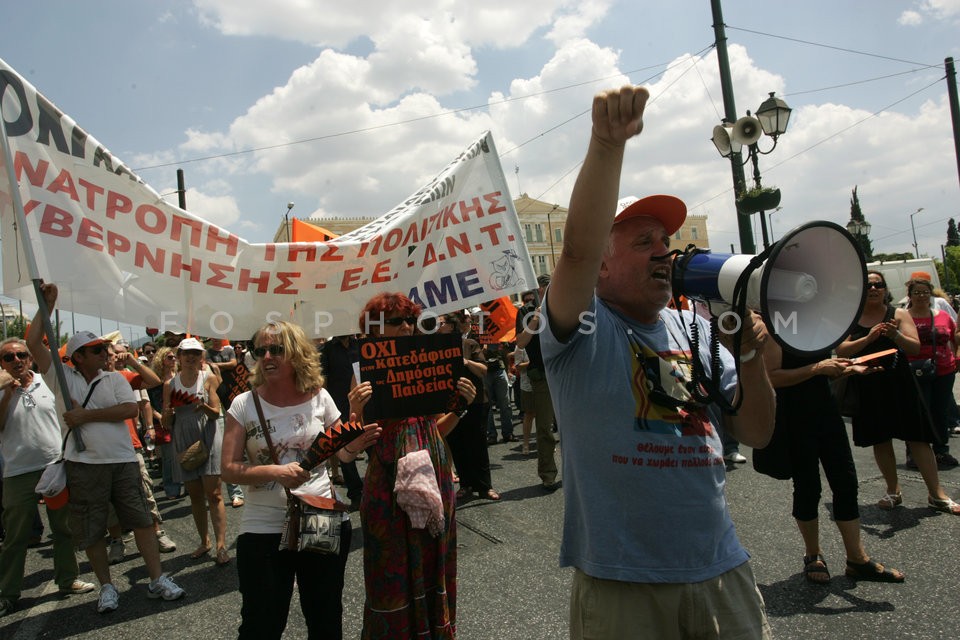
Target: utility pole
954	107
730	115
181	191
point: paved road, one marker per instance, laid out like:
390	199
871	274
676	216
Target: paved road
511	587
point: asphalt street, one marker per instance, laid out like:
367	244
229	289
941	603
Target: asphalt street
510	585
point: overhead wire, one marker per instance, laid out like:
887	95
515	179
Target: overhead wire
398	123
694	58
826	46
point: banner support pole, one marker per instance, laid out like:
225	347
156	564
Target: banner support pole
21	222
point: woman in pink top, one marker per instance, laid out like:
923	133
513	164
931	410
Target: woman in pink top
938	345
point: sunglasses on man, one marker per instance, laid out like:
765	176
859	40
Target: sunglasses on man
15	355
96	349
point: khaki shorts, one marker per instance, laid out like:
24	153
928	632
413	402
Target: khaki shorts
728	606
112	519
93	488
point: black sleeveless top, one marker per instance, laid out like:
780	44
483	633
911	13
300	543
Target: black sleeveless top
890	403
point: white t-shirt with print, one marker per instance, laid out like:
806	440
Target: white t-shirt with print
292	430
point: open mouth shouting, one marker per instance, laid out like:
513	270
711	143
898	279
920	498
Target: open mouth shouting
661	271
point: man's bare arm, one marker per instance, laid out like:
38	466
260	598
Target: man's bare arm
617	117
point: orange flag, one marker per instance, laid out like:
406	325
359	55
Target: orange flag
301	231
499	321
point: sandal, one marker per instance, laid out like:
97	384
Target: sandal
946	505
489	494
200	552
814	565
223	558
890	500
873	571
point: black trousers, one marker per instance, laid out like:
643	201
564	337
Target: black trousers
266	576
352	479
468	444
823	443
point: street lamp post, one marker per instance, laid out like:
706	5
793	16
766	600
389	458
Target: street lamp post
770	215
916	251
286	219
771	118
553	257
859	229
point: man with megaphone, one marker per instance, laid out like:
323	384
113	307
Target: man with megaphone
646	524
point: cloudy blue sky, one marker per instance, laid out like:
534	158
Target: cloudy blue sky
346	108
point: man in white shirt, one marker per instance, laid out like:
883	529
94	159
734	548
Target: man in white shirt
105	469
29	440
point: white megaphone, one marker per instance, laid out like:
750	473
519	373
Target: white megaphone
809	290
746	130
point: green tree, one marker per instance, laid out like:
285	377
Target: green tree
953	237
951	279
892	257
17	328
862	238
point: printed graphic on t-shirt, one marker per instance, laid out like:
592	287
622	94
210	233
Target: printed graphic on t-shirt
660	390
289	448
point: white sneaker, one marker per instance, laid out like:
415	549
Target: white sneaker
166	544
164	587
109	599
736	457
117	551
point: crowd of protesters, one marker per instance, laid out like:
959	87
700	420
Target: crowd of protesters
177	374
174	391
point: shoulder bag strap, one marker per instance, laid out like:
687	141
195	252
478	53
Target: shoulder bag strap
90	392
63	448
266	435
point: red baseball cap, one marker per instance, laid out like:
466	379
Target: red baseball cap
669	210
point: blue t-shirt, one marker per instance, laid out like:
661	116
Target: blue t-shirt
643	484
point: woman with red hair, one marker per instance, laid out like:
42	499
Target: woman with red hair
410	573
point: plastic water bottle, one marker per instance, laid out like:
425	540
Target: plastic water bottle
148	443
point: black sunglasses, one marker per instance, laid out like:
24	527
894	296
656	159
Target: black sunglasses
876	285
396	322
274	350
16	355
96	349
148	353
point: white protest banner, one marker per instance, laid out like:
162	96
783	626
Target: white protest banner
117	250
